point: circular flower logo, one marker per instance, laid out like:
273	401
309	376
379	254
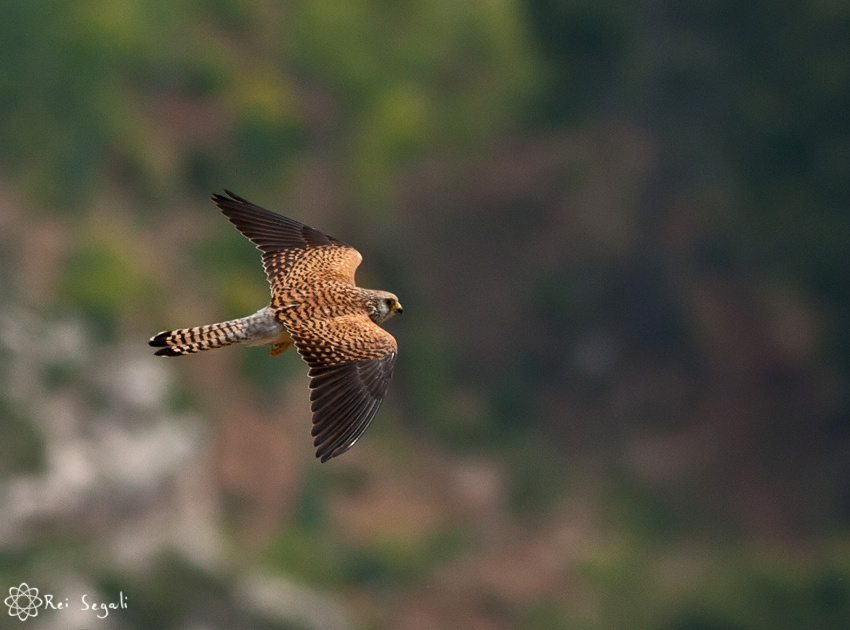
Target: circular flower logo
23	601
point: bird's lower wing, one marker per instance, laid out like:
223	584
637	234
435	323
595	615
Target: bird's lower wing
351	363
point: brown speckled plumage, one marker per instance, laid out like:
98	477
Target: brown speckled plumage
315	305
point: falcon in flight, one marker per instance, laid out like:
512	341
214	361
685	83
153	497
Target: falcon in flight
315	306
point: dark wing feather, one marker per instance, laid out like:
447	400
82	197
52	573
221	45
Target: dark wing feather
283	241
345	399
351	363
269	231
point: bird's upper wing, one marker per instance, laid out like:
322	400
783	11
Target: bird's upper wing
292	252
351	363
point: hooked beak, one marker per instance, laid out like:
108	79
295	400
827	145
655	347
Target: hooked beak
398	308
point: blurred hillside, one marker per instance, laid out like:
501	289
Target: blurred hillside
620	234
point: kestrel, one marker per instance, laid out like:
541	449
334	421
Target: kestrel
316	306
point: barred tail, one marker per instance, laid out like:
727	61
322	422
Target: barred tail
174	343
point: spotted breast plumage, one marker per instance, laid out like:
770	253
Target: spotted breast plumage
317	307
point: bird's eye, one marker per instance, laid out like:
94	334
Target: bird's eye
388	302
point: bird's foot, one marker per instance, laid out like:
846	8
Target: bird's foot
278	348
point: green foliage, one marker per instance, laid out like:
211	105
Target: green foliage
318	556
539	480
624	579
14	563
307	555
305	549
313	551
734	590
54	131
154	602
410	79
22	445
103	279
399	561
233	269
638	511
414	77
765	592
269	374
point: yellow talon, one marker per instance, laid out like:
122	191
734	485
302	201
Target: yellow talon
277	349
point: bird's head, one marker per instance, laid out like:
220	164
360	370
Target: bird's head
382	305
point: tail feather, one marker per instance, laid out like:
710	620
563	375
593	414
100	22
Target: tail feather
173	343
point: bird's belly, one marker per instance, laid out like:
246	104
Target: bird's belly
269	339
263	329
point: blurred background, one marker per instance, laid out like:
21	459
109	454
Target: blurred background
620	233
